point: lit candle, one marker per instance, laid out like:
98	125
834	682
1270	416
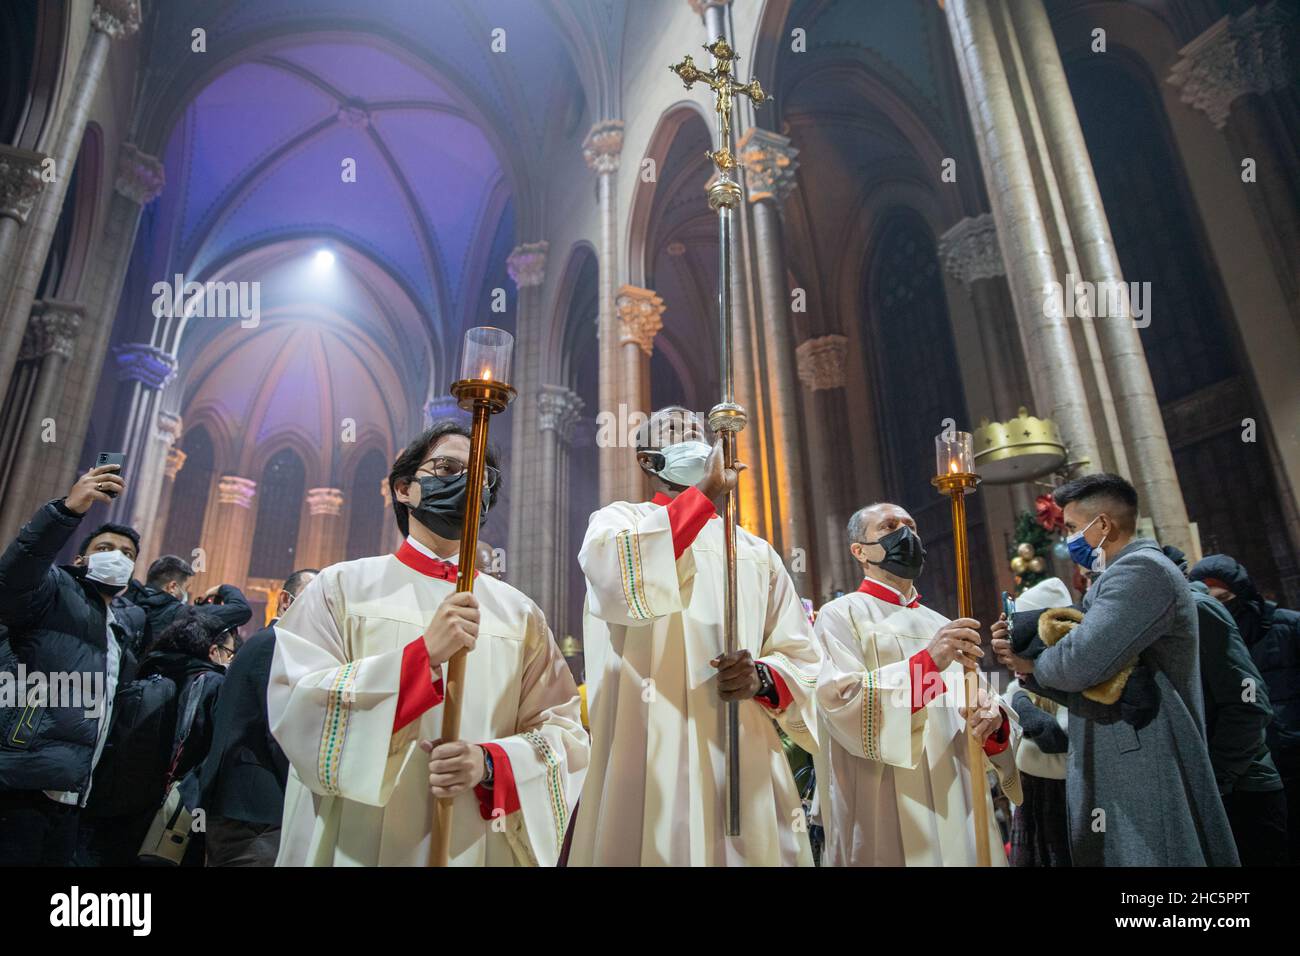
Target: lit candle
487	354
954	453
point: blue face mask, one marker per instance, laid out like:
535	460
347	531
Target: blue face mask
1084	554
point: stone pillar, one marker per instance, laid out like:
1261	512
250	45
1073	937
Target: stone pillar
20	186
143	371
172	465
227	539
821	370
47	346
1026	246
640	317
139	181
320	542
525	546
1140	421
770	165
557	410
602	150
109	20
150	473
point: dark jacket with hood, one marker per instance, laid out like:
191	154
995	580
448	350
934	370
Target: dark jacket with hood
1272	634
182	669
55	623
160	608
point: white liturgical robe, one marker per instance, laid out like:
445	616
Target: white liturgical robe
893	776
352	693
655	794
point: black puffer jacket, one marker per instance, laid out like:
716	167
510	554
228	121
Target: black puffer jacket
160	608
1272	634
182	669
55	624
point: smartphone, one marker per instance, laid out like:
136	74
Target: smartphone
111	458
1008	605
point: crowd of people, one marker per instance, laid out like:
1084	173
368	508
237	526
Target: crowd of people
1154	721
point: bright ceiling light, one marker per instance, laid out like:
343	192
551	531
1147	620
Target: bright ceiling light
323	260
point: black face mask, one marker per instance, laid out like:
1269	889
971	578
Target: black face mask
442	504
904	555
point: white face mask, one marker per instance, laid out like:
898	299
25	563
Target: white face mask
112	568
684	462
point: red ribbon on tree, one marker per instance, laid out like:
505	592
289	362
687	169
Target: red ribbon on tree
1048	514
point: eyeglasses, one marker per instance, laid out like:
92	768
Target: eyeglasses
449	469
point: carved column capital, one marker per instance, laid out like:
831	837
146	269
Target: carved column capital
527	264
51	330
603	146
970	250
640	313
558	409
139	176
770	164
141	362
325	501
168	428
116	18
20	182
1250	53
821	362
174	463
441	407
233	490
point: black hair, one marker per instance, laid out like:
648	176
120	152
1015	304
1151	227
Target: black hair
294	583
168	569
1102	486
191	632
124	530
410	460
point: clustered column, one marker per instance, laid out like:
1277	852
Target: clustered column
320	543
640	317
821	370
228	532
558	409
602	150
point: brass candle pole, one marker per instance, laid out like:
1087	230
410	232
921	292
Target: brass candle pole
727	417
483	393
957	479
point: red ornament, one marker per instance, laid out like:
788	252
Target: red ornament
1048	514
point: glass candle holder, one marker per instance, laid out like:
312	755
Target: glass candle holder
487	354
954	454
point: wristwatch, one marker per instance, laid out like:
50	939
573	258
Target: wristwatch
766	686
487	768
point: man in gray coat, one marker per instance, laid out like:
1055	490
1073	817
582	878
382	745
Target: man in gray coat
1141	792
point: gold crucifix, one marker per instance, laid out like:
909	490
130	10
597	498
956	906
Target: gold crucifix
724	87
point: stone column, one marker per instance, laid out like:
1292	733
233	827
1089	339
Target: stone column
602	149
150	472
20	186
525	546
109	20
640	317
821	370
152	548
139	181
1026	245
320	542
227	539
557	410
770	165
1140	421
143	371
47	347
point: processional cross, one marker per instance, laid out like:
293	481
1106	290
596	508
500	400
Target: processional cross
727	417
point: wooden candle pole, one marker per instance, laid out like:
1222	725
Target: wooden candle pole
957	485
484	398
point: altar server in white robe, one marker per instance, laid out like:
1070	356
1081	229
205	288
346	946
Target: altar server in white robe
655	794
356	689
893	774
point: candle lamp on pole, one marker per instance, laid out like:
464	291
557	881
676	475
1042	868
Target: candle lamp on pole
955	477
483	390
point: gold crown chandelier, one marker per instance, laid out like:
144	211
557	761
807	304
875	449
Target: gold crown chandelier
1021	449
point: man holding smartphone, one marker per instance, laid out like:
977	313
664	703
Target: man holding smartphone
59	622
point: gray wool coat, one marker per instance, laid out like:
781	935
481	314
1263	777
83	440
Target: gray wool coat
1138	796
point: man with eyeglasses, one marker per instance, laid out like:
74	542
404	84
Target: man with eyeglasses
659	675
357	684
